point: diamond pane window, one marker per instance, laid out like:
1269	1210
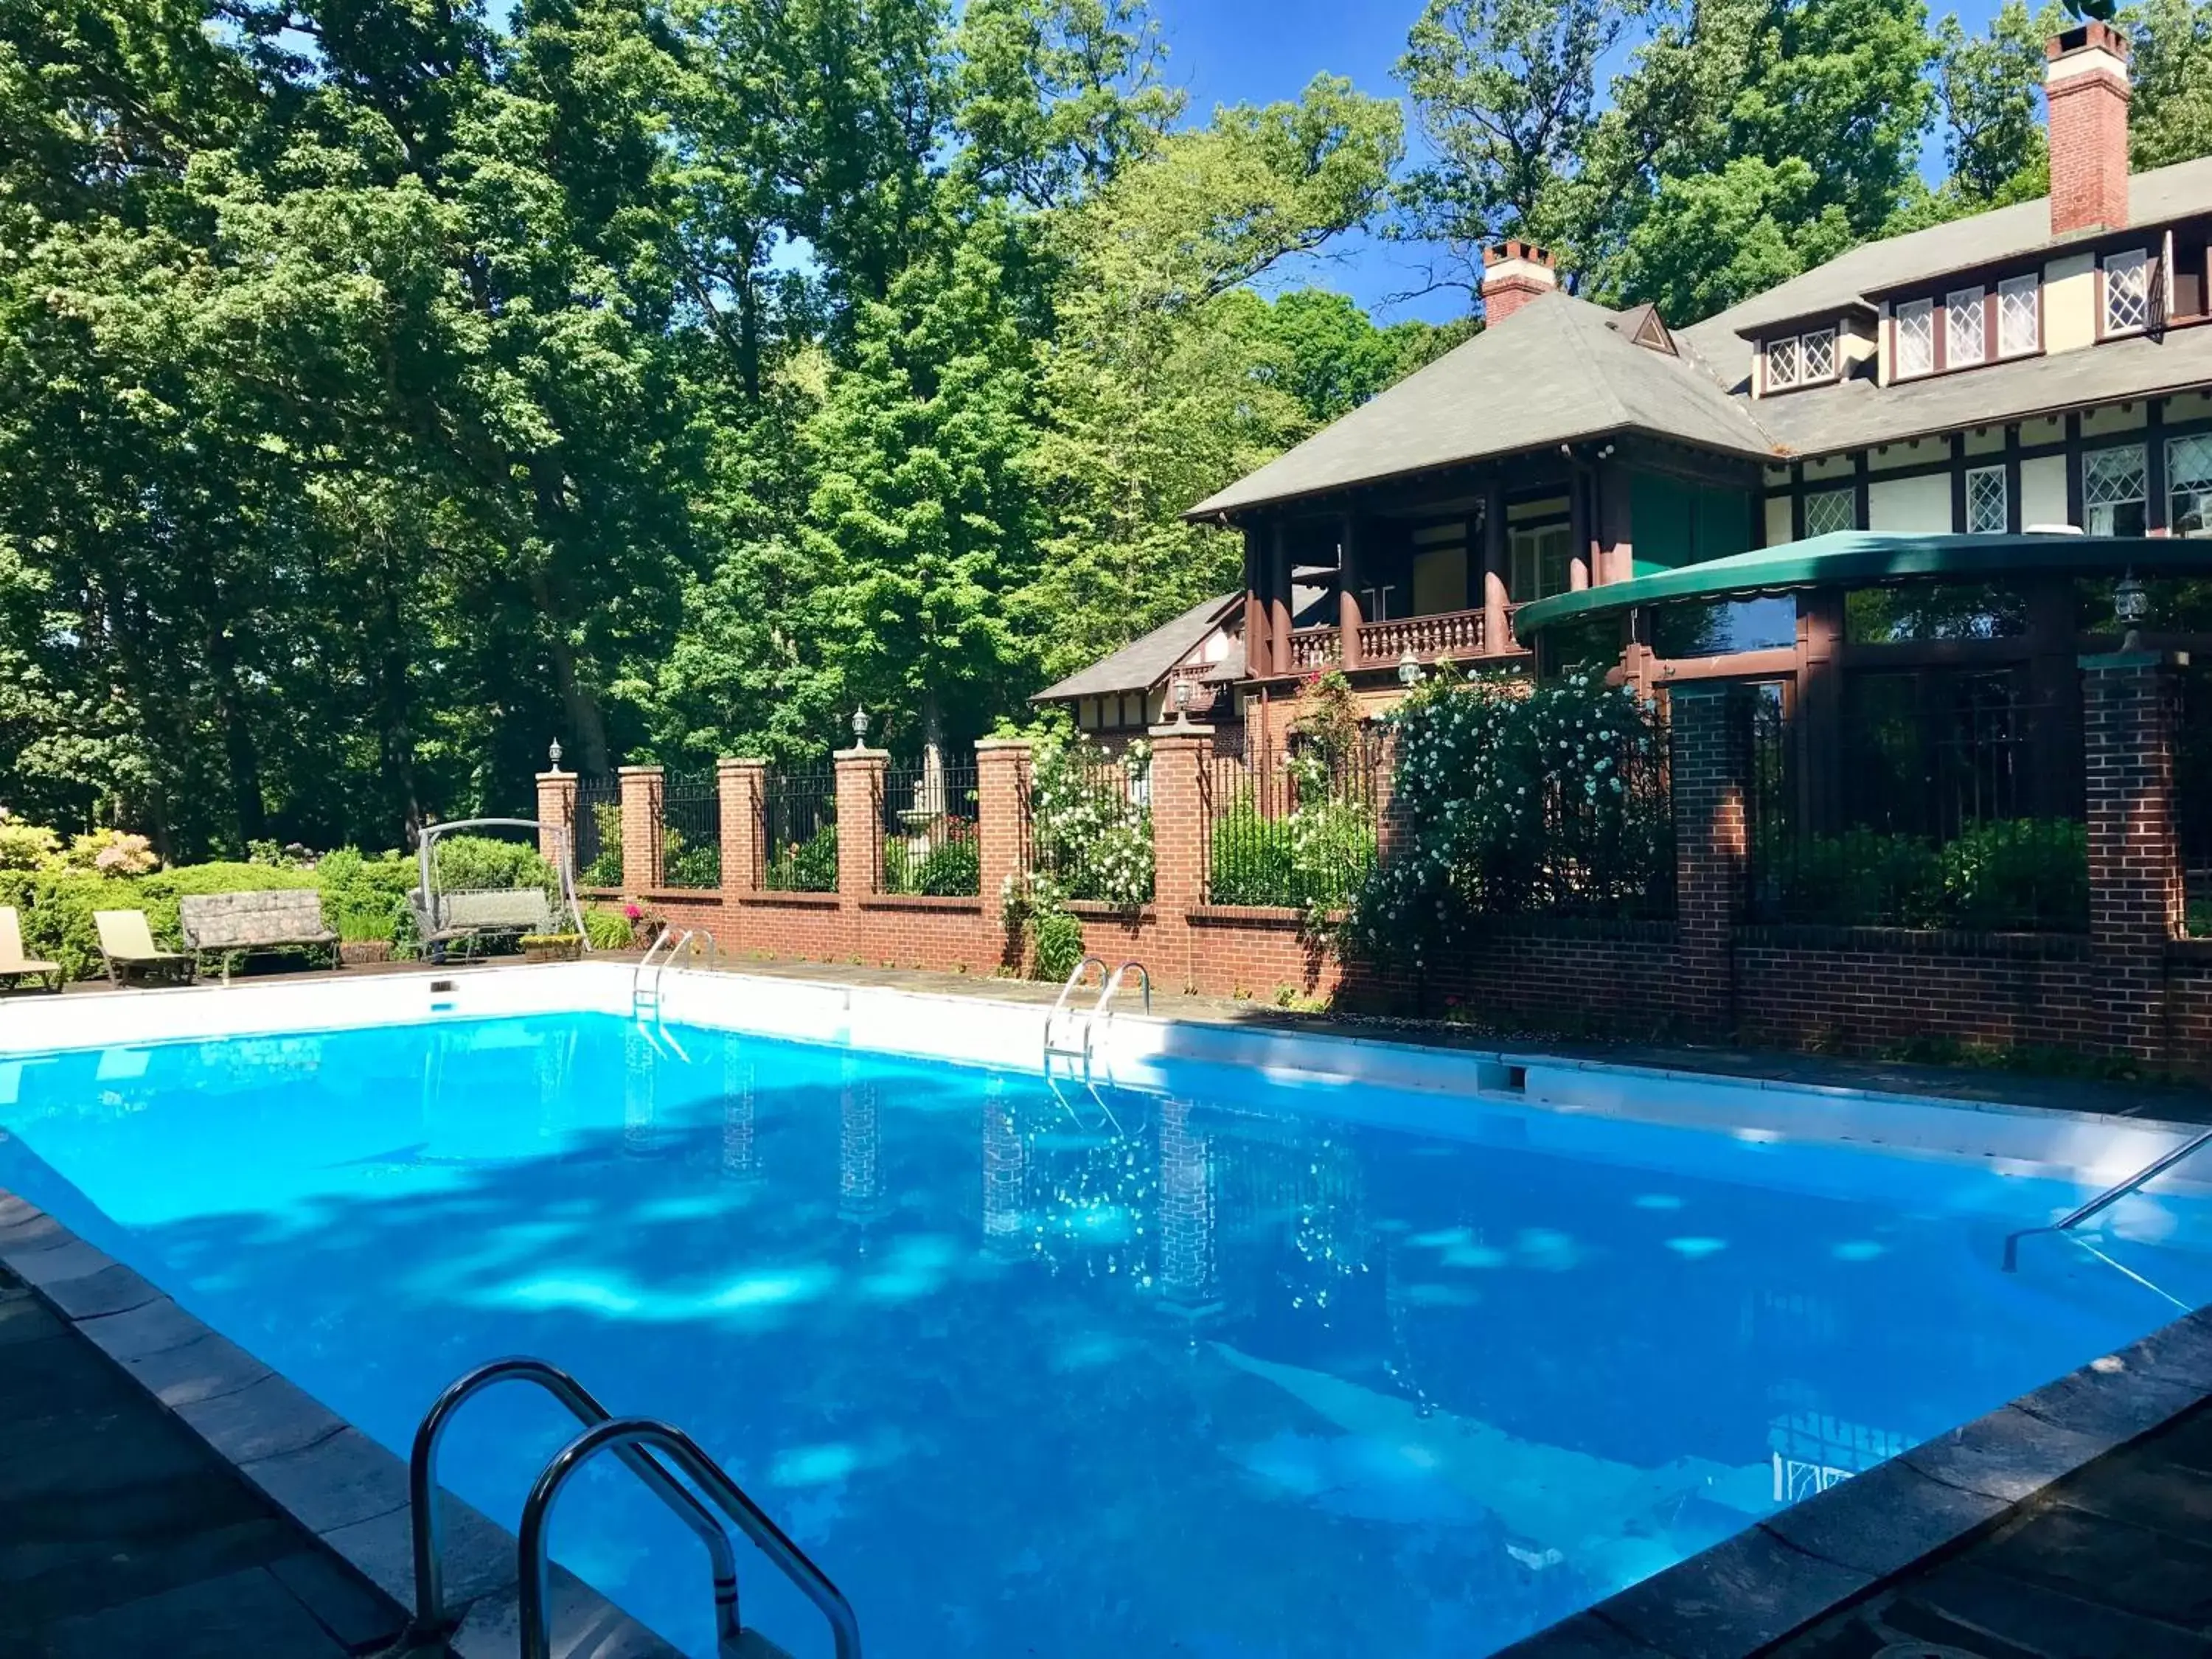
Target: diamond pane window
2126	292
1916	337
1781	361
2114	491
2188	484
2020	327
1986	501
1817	354
1831	510
1965	333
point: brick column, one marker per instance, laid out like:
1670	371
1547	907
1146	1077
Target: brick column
1002	787
1706	768
557	818
640	826
860	820
1181	754
2135	865
1391	829
741	785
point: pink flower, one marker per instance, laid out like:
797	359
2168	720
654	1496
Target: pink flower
633	911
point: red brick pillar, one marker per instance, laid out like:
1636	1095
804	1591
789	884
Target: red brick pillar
741	784
1180	755
2135	864
1002	803
1390	831
556	819
861	822
640	827
1706	769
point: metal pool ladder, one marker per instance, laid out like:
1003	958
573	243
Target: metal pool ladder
1112	982
2104	1200
644	997
633	1440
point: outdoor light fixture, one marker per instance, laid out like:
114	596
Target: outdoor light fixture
2130	603
553	753
860	728
1409	668
1183	702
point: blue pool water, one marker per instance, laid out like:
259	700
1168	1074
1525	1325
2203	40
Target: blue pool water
1232	1370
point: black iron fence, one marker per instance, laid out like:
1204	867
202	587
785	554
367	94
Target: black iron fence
1936	822
1294	827
798	832
929	814
691	830
599	832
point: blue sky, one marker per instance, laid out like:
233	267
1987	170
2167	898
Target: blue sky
1258	51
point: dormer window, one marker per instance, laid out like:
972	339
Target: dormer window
1915	338
1965	329
2020	316
1803	359
2126	292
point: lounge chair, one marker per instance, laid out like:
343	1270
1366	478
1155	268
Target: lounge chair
126	945
14	965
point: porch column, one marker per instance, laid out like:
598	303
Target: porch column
1579	519
1348	614
741	785
640	826
1707	770
1279	600
860	820
2134	865
1494	597
1616	549
1256	604
556	819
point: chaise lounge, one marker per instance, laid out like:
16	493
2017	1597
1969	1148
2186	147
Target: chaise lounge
14	965
126	945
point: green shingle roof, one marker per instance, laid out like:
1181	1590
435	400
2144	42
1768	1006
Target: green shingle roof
1862	558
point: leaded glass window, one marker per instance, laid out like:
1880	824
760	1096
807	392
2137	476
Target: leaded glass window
1817	354
2114	490
1965	333
1986	502
2188	485
2019	323
1781	361
2126	292
1916	337
1831	510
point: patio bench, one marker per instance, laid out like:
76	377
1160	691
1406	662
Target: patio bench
241	922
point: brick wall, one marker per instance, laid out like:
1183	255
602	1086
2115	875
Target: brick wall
2128	986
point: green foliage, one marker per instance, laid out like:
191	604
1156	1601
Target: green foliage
688	863
2169	117
1055	945
950	866
481	864
2014	873
28	846
1516	799
607	930
807	866
365	896
1090	834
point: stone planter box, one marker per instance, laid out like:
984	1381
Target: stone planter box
569	950
354	953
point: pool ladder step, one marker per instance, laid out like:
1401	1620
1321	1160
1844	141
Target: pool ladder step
640	1443
644	993
1067	1047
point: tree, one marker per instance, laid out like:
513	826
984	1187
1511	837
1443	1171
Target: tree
1503	92
1988	89
2171	118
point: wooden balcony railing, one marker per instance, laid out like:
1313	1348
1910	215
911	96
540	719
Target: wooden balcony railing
1454	634
1316	647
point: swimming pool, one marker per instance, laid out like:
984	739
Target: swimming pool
1207	1360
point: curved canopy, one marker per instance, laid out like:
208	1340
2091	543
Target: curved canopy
1861	558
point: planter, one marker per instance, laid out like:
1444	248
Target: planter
564	950
354	953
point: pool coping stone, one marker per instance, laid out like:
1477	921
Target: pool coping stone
336	1483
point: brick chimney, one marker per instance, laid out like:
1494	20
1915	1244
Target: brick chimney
2085	85
1513	273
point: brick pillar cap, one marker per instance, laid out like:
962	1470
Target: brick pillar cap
992	745
740	764
1171	730
859	753
638	771
2116	659
556	777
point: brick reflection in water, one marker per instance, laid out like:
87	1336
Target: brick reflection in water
740	1078
1005	1166
637	1091
859	1180
1186	1218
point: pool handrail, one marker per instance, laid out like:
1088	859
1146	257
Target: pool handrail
430	1618
1059	1003
2104	1200
645	1435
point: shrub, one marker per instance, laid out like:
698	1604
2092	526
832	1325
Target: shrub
606	930
688	863
951	868
1250	857
2018	873
1056	940
112	852
605	869
481	864
1092	831
28	846
368	894
807	866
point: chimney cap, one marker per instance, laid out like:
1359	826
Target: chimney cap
1514	248
2090	34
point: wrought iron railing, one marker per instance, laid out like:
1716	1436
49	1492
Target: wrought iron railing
691	830
599	832
930	842
798	832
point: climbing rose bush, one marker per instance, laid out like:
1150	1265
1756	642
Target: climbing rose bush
1091	821
1510	799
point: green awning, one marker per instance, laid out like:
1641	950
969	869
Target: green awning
1857	558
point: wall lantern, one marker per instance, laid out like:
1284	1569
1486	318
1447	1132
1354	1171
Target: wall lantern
1183	702
860	728
2130	601
1409	669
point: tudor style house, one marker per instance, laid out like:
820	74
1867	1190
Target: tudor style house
2044	365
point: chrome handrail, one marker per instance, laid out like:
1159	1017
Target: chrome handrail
1114	984
423	1489
645	1435
2106	1199
637	974
1059	1002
